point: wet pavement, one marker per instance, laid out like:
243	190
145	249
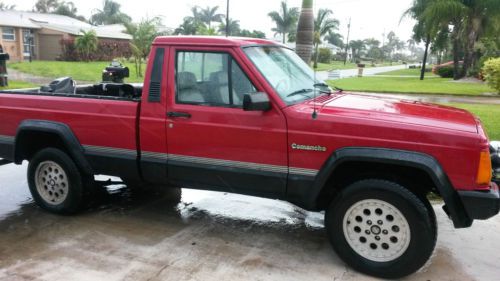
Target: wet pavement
205	236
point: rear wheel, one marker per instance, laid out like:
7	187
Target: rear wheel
55	182
381	228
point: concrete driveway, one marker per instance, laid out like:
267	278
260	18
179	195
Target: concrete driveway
207	236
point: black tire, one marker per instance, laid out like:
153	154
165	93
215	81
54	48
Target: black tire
77	193
421	223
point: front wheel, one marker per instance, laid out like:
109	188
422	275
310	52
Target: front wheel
381	228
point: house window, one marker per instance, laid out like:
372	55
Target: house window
8	33
28	39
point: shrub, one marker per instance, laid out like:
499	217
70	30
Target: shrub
108	49
491	72
325	55
445	72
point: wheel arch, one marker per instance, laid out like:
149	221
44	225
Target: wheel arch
34	135
409	160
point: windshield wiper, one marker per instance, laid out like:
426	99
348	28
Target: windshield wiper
326	85
300	92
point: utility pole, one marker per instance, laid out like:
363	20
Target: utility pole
227	19
347	41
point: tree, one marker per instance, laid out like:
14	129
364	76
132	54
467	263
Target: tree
67	9
234	27
143	35
336	39
209	15
86	43
305	33
253	34
45	6
4	7
285	19
323	25
374	51
423	30
469	19
188	27
357	46
110	14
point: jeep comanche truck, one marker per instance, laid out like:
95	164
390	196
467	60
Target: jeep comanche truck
248	116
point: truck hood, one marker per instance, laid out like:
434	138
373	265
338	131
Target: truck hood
396	110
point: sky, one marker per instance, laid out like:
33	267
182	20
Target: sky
369	18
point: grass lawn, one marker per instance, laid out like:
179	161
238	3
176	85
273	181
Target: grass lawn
18	85
84	71
349	65
407	71
489	114
411	85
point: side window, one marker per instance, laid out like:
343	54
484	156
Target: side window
208	78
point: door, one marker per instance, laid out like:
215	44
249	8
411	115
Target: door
212	142
49	46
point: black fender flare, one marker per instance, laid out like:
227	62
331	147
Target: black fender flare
425	162
63	131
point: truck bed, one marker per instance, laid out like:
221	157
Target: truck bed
100	120
112	91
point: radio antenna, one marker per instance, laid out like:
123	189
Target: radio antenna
315	67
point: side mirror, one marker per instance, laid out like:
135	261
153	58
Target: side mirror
256	102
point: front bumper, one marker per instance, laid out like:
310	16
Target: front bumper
481	205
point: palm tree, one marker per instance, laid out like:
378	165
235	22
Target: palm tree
323	24
209	15
143	35
335	38
110	14
188	27
86	43
4	7
305	32
234	27
423	30
469	18
285	19
357	46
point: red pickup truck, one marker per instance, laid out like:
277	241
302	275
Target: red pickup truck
248	116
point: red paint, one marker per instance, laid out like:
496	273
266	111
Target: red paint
450	135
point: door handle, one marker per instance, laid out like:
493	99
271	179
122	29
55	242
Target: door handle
174	114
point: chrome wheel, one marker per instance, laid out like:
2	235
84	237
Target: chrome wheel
376	230
51	182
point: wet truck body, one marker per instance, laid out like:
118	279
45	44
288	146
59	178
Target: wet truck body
233	115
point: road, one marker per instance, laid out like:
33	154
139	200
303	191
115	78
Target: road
344	73
207	236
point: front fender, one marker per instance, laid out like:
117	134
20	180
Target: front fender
424	162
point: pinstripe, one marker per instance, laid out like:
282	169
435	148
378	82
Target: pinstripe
7	139
204	161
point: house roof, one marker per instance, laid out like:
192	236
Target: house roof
59	23
212	40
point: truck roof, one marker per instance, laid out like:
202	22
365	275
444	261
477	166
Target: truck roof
211	40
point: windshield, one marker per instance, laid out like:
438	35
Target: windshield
287	73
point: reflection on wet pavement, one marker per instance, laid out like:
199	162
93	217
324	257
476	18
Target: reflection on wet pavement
203	235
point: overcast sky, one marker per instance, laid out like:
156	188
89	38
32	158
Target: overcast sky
370	18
